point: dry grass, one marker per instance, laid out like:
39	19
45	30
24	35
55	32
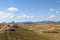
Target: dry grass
21	34
50	31
35	32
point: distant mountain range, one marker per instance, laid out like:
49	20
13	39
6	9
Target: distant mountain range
42	22
25	22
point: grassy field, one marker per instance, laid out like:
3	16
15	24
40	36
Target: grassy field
21	34
34	32
49	31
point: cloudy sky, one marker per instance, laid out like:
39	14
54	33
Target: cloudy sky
29	10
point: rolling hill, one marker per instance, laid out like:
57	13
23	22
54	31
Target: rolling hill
21	34
40	22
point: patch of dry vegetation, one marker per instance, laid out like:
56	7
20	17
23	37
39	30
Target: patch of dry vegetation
50	31
21	34
35	32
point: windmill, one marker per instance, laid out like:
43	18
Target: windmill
8	27
11	26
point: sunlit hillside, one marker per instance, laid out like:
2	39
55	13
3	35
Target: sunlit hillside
50	31
33	32
21	34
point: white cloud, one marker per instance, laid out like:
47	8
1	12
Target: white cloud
12	9
24	16
6	15
39	17
52	17
57	11
52	10
10	15
29	16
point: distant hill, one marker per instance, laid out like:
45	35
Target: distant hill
43	22
25	22
50	22
40	22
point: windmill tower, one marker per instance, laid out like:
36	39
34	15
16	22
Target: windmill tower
9	28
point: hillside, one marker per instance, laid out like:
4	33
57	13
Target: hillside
50	31
21	34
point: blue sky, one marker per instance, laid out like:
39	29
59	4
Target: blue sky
29	10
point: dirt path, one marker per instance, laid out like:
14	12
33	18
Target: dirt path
2	29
